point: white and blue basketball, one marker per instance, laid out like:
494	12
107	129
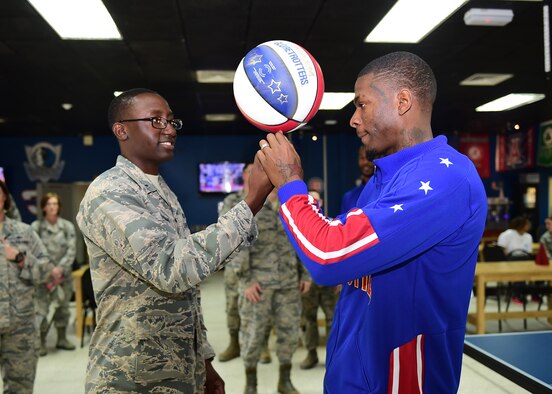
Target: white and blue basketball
278	86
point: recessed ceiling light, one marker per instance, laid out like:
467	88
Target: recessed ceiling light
485	79
510	101
220	117
330	122
2	120
336	100
215	76
398	25
78	20
67	106
117	93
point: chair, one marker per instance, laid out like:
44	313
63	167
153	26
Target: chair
519	290
494	253
88	303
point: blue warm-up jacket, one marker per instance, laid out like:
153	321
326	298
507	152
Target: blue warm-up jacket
406	258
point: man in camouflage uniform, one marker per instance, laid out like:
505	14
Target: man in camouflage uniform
58	235
146	265
231	282
24	264
270	291
324	297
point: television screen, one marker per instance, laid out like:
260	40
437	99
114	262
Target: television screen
221	177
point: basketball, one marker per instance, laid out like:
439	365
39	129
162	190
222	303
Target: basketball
278	86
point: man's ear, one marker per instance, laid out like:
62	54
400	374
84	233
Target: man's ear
120	131
405	101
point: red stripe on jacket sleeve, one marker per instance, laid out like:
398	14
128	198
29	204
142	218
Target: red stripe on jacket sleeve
323	240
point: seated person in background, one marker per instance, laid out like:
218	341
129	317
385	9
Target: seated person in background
516	241
546	238
518	245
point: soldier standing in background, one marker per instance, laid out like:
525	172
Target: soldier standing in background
324	297
58	235
25	264
366	167
146	265
270	292
231	282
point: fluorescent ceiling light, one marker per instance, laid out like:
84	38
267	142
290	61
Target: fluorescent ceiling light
400	25
510	101
483	79
220	117
336	100
78	19
215	76
330	122
488	17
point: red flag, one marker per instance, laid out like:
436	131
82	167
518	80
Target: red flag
542	256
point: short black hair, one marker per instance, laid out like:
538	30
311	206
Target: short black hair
122	102
405	69
7	203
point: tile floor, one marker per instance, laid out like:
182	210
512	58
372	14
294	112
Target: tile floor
63	372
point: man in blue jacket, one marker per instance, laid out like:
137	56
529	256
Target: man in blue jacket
406	254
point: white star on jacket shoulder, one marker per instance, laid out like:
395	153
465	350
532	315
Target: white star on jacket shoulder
445	161
397	207
425	187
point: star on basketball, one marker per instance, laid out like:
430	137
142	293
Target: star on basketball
255	59
283	98
274	86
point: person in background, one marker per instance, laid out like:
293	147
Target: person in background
12	212
406	254
324	297
270	293
366	167
546	238
231	282
25	264
517	244
145	264
58	235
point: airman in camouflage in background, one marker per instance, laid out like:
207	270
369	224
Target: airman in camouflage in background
231	283
270	292
146	265
58	235
25	264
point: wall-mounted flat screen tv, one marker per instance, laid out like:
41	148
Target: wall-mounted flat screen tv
221	177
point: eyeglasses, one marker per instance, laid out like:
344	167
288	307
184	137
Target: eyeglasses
157	122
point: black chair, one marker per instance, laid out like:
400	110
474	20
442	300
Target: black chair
494	253
519	290
88	302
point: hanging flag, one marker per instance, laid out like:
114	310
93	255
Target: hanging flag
476	147
514	150
544	156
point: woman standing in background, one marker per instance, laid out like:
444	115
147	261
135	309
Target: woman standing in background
58	235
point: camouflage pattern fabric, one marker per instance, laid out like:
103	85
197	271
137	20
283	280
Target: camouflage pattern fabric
146	267
19	338
231	270
324	297
60	241
13	212
274	264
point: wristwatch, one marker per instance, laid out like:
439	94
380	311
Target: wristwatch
19	257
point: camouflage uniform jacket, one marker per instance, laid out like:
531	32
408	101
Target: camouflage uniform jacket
242	258
146	267
272	260
60	241
17	286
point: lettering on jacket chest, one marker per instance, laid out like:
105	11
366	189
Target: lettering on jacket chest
364	284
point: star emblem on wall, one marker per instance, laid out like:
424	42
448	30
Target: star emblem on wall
425	187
